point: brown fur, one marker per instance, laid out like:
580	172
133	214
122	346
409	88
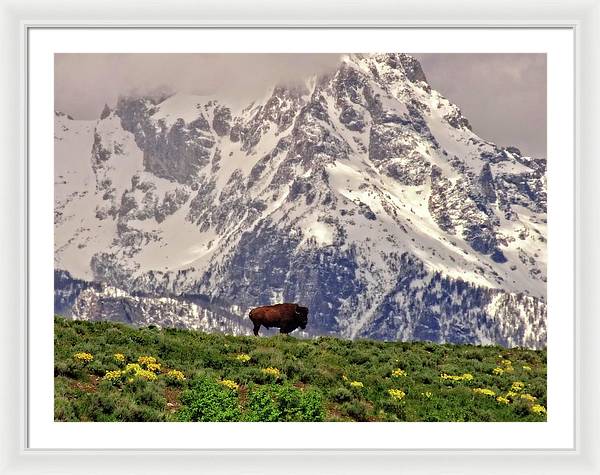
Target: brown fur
285	316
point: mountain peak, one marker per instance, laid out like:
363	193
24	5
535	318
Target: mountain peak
403	65
105	112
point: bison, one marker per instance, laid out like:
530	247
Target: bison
285	316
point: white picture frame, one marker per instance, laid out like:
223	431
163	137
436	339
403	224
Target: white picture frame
18	18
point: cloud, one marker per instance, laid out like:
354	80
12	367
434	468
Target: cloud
502	95
84	82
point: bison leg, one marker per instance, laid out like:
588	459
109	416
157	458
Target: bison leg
287	329
256	328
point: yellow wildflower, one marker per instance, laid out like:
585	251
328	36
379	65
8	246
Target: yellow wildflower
153	367
176	375
344	377
517	386
272	372
396	394
528	397
120	357
228	383
82	356
356	384
507	366
427	394
502	400
398	373
146	360
139	372
462	377
147	375
512	394
243	357
498	371
132	368
113	375
538	409
526	367
484	391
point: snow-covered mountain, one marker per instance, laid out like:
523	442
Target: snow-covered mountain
363	194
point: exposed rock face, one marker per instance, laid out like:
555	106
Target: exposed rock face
67	291
62	114
456	119
112	304
180	151
260	266
362	194
486	184
222	121
426	312
105	112
392	151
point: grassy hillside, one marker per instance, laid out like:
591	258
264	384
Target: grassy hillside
110	372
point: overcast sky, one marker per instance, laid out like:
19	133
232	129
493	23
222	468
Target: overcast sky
502	95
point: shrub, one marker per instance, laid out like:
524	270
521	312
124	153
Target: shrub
146	394
68	368
311	406
212	357
341	394
262	407
359	357
207	401
100	406
63	410
357	410
271	403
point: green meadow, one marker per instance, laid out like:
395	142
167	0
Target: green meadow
111	372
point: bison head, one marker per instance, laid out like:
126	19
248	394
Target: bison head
302	316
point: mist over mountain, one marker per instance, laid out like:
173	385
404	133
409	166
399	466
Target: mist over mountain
362	193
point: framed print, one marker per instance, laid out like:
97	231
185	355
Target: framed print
247	242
